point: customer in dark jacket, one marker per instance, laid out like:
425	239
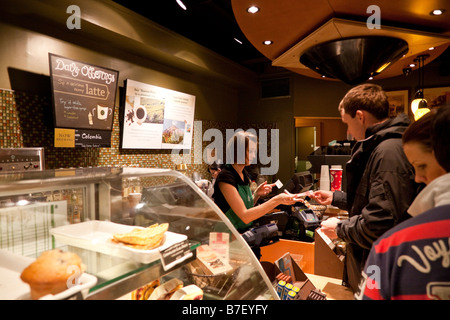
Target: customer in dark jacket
380	180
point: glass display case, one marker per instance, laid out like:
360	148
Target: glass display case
80	210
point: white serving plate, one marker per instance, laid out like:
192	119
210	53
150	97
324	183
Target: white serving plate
13	288
96	236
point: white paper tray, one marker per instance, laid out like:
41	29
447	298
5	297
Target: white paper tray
96	236
13	288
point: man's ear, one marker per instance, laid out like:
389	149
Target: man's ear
360	116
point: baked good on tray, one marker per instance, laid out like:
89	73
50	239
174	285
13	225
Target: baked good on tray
144	292
52	272
143	238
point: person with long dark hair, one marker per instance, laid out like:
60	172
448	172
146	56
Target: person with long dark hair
232	192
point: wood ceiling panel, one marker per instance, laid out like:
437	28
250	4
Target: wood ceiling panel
284	22
288	22
414	14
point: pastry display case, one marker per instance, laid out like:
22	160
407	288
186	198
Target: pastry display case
89	211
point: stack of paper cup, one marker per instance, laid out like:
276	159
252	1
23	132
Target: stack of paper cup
336	177
324	178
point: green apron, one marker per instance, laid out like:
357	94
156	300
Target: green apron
247	197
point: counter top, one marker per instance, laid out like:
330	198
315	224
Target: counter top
331	287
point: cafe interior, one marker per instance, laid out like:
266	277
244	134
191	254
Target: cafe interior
281	66
216	51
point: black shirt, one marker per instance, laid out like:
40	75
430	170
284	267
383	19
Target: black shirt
230	176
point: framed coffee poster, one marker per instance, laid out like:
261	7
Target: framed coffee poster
398	102
83	94
157	118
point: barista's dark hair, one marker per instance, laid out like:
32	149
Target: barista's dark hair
368	97
238	146
441	137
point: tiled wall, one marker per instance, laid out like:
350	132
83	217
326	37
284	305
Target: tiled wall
27	121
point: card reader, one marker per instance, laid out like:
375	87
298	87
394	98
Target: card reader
306	216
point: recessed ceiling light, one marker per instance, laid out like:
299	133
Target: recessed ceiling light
431	48
268	42
253	9
412	65
437	12
181	4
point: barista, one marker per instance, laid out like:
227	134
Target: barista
232	192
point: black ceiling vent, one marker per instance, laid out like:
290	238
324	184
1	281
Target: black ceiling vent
354	60
275	88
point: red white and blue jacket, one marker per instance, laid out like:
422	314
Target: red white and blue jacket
411	261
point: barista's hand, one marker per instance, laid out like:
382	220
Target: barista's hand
328	227
322	197
264	189
287	199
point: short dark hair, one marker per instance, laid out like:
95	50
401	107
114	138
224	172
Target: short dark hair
441	137
420	132
368	97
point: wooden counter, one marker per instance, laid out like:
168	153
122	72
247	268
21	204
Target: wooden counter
329	276
301	252
331	287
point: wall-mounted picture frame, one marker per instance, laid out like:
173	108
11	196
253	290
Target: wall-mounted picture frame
156	117
398	102
437	97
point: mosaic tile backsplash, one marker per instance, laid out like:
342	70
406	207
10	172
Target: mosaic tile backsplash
27	121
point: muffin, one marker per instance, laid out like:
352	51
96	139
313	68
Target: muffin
52	272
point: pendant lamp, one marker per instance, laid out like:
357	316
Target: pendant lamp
419	105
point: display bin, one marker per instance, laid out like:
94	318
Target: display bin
318	257
317	260
78	210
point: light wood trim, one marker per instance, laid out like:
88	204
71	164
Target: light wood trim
273	252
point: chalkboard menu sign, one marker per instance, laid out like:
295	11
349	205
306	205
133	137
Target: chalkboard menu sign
83	94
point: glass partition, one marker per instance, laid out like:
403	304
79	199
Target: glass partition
80	210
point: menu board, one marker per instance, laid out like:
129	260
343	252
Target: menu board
83	94
157	118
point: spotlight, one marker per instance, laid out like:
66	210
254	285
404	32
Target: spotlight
407	71
181	4
437	12
253	9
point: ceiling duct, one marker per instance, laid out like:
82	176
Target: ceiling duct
354	60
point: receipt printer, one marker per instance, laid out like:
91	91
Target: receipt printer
262	235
